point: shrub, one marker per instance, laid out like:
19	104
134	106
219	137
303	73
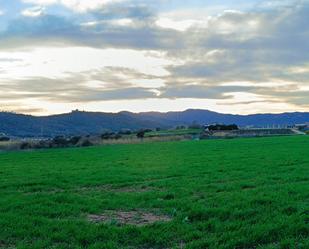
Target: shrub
74	140
42	144
110	135
140	134
4	139
117	136
107	135
25	146
220	127
60	141
86	143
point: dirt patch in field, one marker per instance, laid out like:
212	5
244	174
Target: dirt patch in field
119	189
102	188
136	218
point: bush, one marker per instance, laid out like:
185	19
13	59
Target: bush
117	136
4	139
42	144
74	140
219	127
60	141
86	143
107	135
140	134
110	135
25	146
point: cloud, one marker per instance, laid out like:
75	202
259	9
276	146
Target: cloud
94	64
259	52
247	47
75	5
200	91
71	89
33	12
51	29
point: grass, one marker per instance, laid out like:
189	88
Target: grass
241	193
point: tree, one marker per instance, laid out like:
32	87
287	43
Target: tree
107	135
140	134
222	127
4	139
60	141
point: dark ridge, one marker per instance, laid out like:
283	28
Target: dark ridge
80	122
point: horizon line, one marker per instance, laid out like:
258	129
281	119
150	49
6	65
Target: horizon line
144	112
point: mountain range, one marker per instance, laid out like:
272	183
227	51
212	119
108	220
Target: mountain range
80	122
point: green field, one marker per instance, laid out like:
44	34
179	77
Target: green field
241	193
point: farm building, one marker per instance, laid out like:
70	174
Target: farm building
262	132
302	127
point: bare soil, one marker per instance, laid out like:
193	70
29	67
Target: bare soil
137	218
121	189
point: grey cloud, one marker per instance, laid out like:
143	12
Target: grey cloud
267	53
200	91
19	109
247	102
114	11
295	96
57	30
116	94
74	87
259	46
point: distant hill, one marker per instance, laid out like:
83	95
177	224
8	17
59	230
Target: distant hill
95	122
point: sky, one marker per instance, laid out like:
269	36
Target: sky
154	55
